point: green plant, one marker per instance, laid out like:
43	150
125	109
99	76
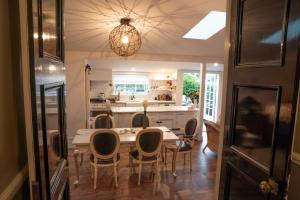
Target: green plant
191	86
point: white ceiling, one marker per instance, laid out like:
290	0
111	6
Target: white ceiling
162	23
151	66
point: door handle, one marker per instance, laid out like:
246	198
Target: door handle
269	187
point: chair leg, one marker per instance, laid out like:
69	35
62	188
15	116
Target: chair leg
92	171
157	172
191	161
162	154
95	176
131	165
184	159
203	150
116	175
140	173
152	172
174	163
166	154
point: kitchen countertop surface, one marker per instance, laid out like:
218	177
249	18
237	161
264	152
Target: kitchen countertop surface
153	109
141	101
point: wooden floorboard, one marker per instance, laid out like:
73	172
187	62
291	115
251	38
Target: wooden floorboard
198	184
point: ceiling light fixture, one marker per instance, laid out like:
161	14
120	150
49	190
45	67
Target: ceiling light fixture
52	68
212	23
125	40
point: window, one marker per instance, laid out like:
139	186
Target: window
211	96
131	84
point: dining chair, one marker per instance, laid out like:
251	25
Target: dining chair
103	121
184	145
104	146
148	145
213	134
140	120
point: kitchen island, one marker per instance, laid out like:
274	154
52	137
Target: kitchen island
173	117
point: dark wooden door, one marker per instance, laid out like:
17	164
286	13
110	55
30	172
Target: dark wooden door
261	98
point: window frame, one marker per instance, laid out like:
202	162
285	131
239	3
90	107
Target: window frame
131	80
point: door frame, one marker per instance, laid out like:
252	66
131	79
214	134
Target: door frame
25	66
223	96
25	60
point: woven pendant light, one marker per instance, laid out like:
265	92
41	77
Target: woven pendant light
125	40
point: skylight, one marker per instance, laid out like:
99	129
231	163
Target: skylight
212	23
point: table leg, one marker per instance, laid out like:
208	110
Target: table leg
81	158
76	154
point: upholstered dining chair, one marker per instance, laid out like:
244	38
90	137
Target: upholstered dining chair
148	145
104	146
213	133
184	146
140	120
104	121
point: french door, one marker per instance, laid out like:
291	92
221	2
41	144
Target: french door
211	96
261	98
47	74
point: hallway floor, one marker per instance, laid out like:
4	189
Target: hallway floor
198	184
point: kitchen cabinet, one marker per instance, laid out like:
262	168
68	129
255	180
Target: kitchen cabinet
172	118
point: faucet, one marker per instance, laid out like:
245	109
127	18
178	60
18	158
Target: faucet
132	97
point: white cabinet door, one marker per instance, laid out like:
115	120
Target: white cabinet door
167	119
154	119
182	118
167	123
123	120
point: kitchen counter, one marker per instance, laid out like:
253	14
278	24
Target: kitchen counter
173	117
152	109
134	103
149	101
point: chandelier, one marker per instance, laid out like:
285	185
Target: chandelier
125	40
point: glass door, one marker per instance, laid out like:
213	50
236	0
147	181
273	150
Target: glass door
53	141
211	97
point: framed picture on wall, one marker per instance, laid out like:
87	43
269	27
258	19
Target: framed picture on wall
51	29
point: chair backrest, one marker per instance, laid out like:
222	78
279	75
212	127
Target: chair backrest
103	121
149	141
104	144
212	135
140	120
190	127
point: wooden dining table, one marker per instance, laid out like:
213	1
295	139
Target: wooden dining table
81	141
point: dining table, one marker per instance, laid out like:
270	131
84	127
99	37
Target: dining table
81	142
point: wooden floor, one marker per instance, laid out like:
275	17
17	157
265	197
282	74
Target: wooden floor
198	184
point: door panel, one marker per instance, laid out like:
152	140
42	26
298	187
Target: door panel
238	182
260	33
261	97
255	118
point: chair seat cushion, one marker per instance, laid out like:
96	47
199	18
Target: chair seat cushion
104	161
135	155
184	146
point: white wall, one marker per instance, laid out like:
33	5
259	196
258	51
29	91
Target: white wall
179	87
75	98
101	74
